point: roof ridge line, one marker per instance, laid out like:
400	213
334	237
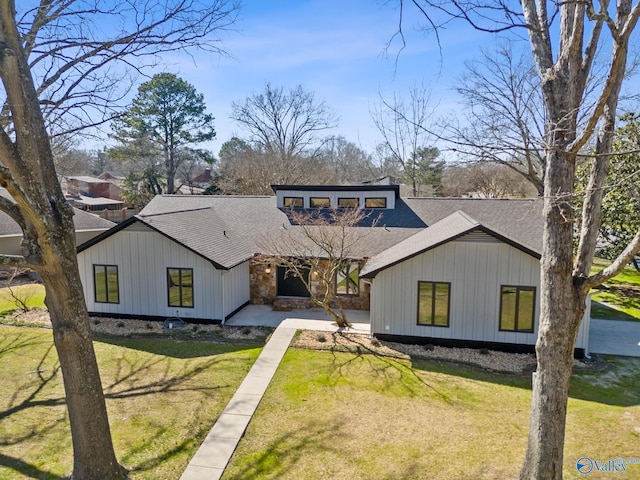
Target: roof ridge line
172	212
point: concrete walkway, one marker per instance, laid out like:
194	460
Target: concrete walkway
614	337
217	448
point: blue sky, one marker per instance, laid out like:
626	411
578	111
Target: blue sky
334	48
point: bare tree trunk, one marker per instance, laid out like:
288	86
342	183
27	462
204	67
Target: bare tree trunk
93	454
561	310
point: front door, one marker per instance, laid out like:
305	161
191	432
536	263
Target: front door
290	285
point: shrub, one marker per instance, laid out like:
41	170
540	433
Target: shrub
120	324
428	347
149	326
321	337
96	321
245	331
375	342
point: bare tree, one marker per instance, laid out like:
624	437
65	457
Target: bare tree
580	29
58	70
247	169
284	125
489	179
504	114
348	162
405	126
319	248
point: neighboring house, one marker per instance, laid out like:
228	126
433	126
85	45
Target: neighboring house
94	187
87	227
94	204
431	270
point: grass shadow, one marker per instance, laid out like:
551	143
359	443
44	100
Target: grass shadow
613	383
27	469
177	347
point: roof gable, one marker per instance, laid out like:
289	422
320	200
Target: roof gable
448	229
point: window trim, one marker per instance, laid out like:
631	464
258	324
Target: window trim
106	286
284	202
515	329
349	264
327	199
366	199
181	296
356	199
433	304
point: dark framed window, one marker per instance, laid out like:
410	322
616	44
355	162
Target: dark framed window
320	202
105	283
433	303
375	202
348	203
348	279
180	287
294	202
517	308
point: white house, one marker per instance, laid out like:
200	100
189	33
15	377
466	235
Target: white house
433	270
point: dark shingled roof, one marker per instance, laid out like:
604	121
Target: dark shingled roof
228	230
449	228
83	221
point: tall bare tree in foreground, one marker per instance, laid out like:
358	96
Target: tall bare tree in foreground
319	248
61	62
565	38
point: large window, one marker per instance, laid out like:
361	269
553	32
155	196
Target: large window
347	203
320	202
517	308
180	287
375	202
105	282
293	202
433	303
348	279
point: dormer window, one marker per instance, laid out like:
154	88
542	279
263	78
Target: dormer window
348	202
320	202
375	202
293	202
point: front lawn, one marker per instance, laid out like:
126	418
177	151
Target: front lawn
32	294
619	298
163	396
348	416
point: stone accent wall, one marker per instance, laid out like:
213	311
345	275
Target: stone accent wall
263	290
262	278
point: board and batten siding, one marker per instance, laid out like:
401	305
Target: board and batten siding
476	269
142	257
235	290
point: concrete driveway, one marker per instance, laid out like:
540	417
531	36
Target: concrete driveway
614	337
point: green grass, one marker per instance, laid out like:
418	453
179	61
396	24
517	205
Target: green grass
628	276
162	396
615	302
346	416
32	294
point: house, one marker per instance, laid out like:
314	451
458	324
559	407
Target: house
431	270
107	186
87	226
